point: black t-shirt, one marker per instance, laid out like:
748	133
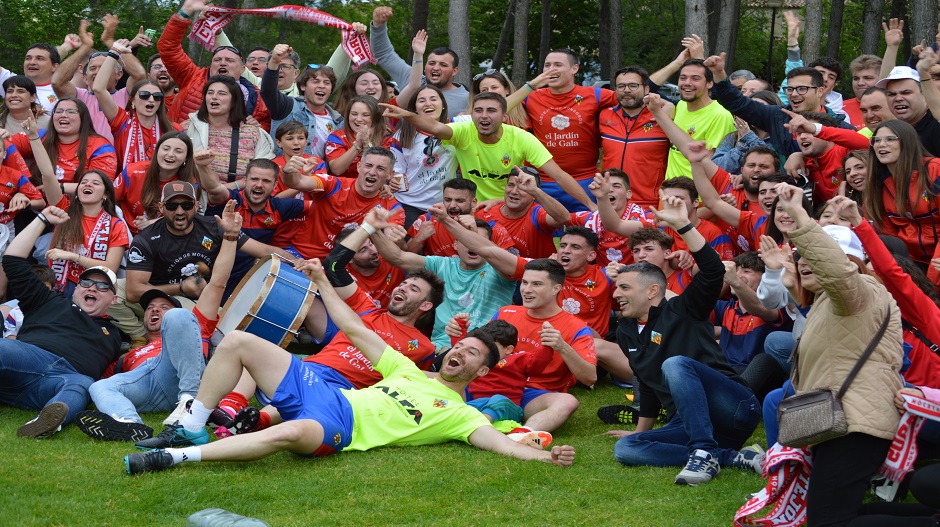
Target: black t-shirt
929	131
170	258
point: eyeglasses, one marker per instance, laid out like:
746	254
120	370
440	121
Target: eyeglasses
484	74
233	49
319	67
158	67
100	286
145	95
66	111
801	90
171	206
886	139
632	86
263	60
286	67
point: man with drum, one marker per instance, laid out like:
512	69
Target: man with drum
174	255
153	377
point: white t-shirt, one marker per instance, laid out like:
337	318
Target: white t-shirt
426	166
14	320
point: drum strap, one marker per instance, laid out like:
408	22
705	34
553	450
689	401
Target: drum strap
233	155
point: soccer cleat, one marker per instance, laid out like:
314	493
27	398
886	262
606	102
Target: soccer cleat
749	458
220	417
99	425
186	401
618	414
153	461
533	438
702	467
48	422
245	421
174	436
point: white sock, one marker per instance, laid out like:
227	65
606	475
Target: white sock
195	419
188	454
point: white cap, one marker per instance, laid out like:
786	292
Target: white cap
100	269
899	73
847	239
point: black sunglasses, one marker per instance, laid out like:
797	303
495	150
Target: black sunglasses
233	49
145	95
100	286
170	206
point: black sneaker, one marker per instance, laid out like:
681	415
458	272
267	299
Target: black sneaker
618	414
153	461
174	436
48	422
99	425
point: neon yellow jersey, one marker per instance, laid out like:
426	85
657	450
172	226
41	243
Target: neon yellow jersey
408	408
488	165
710	124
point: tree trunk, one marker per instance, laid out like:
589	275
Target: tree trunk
835	29
603	37
727	40
616	36
871	31
458	29
813	32
419	20
503	45
923	21
545	39
899	11
520	44
696	20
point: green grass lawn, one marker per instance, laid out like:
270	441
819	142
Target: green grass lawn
70	480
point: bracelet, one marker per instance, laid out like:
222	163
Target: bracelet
43	219
114	54
368	228
236	186
230	237
417	61
181	290
685	229
187	17
78	261
529	86
62	187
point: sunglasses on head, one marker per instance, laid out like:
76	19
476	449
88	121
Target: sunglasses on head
319	67
233	49
484	74
145	95
100	286
170	206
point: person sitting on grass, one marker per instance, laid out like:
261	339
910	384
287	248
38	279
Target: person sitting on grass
408	407
672	349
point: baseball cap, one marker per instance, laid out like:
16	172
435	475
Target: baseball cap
100	269
178	188
899	73
847	239
152	294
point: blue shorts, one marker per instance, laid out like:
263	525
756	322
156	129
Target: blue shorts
305	394
327	374
554	190
528	394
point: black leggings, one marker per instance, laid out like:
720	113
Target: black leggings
925	487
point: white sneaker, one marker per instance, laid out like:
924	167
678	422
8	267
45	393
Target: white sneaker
181	408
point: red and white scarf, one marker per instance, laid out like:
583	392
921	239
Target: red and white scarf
216	18
96	248
903	450
134	148
787	471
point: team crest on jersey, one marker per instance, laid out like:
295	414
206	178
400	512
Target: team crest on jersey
207	243
506	160
413	345
104	330
9	184
590	285
578	99
482	274
560	122
337	438
440	403
647	127
656	338
835	180
388	278
269	221
329	128
501	363
691	131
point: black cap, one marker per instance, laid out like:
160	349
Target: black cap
152	294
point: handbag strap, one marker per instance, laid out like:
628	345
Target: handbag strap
920	336
868	351
233	156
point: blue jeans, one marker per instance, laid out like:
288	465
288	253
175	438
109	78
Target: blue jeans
771	402
554	190
31	378
718	419
157	384
779	345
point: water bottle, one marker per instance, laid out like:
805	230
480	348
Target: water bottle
222	518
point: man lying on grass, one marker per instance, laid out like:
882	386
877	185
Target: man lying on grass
408	407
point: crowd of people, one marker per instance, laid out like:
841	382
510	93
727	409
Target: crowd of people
476	252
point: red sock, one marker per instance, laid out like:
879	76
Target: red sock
263	422
232	403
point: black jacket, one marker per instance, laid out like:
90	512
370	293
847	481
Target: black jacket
679	326
53	323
